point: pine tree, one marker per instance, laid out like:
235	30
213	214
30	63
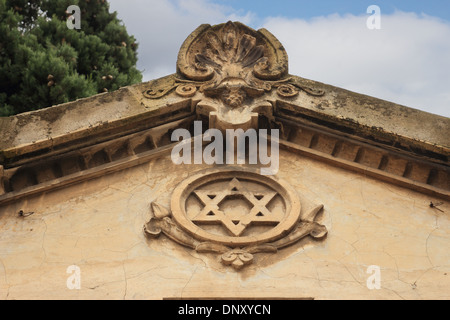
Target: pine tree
44	63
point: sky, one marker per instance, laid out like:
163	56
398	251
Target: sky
406	61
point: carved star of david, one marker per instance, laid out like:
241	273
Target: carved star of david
220	193
236	223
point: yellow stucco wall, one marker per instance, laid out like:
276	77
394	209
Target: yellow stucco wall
98	226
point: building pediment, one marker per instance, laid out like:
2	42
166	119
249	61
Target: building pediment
230	76
230	178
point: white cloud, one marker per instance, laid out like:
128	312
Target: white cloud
406	62
161	26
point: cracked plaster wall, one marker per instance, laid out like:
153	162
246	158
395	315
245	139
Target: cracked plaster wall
97	225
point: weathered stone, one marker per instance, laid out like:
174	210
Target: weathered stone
363	185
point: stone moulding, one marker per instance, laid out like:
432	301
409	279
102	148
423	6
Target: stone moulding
220	194
87	163
305	139
375	160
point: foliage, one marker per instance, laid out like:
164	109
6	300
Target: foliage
44	63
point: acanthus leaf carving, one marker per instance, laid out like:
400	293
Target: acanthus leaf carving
162	223
159	211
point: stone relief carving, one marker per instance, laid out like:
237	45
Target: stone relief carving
233	67
235	214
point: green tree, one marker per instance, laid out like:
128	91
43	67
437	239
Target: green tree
44	63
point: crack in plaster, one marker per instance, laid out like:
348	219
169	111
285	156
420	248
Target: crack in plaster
406	194
395	261
168	278
396	293
361	192
43	243
8	286
289	275
4	271
126	281
315	269
373	214
205	264
426	246
362	284
143	273
189	281
104	284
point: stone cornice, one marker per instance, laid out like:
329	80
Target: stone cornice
301	137
107	116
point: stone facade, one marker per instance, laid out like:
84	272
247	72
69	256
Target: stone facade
358	207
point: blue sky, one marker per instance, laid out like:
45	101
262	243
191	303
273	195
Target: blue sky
407	61
306	9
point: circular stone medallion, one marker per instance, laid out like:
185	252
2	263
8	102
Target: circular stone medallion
235	208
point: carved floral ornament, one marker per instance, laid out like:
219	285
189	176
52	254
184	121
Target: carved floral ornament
235	214
232	67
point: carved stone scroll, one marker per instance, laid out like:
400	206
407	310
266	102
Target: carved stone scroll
234	66
231	69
